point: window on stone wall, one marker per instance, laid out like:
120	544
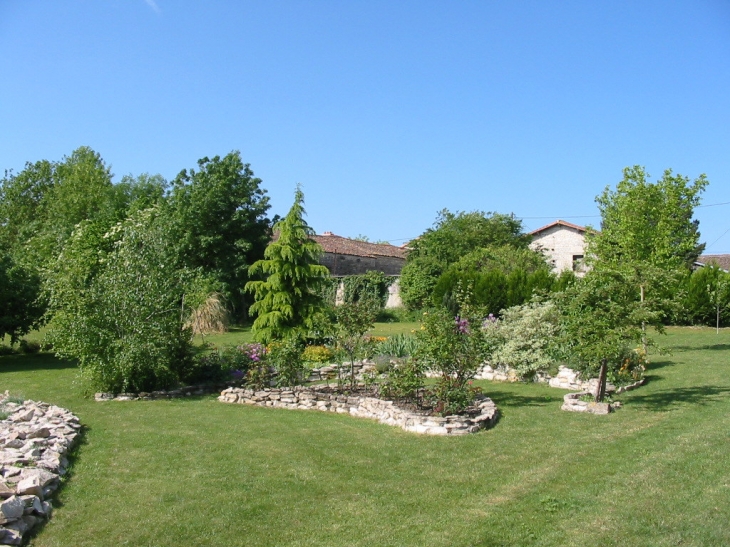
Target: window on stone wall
577	263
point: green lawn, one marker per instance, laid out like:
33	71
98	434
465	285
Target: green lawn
239	335
199	472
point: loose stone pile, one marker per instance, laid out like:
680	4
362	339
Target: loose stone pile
34	440
482	416
572	403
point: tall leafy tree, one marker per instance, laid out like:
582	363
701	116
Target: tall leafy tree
116	302
217	216
453	236
648	235
288	300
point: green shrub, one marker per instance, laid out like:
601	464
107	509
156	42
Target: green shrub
6	350
117	306
449	398
524	338
317	354
207	368
29	346
286	358
405	381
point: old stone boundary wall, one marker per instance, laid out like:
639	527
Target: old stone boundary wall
385	412
34	441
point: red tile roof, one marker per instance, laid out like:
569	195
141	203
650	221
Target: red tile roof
332	243
559	223
721	261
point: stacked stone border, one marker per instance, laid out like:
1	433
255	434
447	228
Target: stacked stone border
483	416
34	441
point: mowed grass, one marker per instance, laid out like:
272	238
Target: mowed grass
200	472
242	334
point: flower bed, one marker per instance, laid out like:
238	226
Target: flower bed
482	415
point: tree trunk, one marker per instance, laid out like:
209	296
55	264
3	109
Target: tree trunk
601	388
644	344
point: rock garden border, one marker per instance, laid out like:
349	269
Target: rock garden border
34	441
483	415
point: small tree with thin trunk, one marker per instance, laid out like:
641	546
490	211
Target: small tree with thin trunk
648	238
288	300
600	319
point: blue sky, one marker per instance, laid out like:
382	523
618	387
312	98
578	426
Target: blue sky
384	111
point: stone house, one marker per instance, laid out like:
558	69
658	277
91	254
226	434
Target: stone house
564	245
344	256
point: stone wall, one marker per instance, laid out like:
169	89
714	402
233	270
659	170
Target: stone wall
341	265
560	244
393	301
34	441
483	416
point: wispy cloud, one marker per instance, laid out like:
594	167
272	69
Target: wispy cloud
153	5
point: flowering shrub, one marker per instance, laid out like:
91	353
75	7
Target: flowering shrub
455	347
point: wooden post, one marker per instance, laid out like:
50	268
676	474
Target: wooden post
601	388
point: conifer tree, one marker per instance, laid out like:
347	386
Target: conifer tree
287	301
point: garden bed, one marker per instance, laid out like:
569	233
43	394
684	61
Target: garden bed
482	415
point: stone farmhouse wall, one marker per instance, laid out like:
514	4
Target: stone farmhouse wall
563	243
341	265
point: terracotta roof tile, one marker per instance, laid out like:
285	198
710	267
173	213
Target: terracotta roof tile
559	223
721	261
332	243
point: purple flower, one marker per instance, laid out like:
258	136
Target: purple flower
489	320
462	325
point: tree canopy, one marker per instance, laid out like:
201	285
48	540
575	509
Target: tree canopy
218	222
648	237
454	235
649	223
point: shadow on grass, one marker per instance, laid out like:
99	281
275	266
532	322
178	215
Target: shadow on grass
660	364
671	399
711	347
508	398
36	361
